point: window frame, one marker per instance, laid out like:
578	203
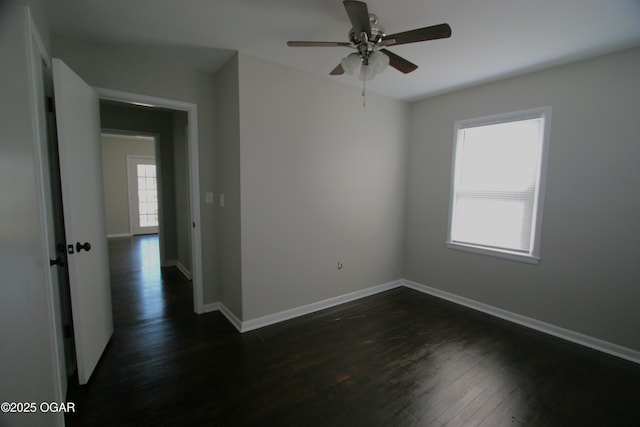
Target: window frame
533	256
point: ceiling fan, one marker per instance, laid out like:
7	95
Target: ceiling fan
369	40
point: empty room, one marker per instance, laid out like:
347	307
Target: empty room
368	213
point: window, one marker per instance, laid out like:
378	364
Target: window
143	194
147	196
497	184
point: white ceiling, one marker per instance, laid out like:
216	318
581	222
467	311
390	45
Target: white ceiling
490	39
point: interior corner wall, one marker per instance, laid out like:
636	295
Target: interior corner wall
587	280
228	186
322	181
132	69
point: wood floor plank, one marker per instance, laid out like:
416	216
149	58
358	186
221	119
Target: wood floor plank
399	358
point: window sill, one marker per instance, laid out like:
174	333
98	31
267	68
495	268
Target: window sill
511	256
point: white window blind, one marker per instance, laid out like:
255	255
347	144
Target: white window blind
496	182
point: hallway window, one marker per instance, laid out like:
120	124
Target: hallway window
147	196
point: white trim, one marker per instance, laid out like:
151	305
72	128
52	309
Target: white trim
547	328
184	270
218	306
140	99
211	307
119	133
232	318
528	322
118	235
36	52
281	316
194	175
510	255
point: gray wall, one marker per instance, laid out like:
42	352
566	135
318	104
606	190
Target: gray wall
132	69
589	276
26	354
228	183
115	149
322	180
181	190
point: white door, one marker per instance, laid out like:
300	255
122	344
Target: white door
143	194
78	123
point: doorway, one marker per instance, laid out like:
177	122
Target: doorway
132	205
178	195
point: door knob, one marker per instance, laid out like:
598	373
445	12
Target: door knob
86	246
58	261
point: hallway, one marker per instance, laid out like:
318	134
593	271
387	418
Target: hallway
153	354
140	290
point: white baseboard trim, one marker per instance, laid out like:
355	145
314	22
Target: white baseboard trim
177	264
211	307
528	322
232	318
117	235
183	270
547	328
218	306
281	316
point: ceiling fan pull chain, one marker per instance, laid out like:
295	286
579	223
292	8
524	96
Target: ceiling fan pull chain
364	98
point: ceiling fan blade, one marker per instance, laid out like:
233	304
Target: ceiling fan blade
434	32
337	71
317	44
399	63
359	16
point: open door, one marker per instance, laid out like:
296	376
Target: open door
78	124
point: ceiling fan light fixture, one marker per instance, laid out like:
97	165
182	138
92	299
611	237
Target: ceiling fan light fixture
376	63
351	63
379	61
367	73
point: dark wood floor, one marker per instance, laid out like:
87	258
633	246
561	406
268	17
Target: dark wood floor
400	358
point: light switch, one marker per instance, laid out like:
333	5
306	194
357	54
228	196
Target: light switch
222	200
209	198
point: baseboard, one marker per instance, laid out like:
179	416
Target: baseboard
281	316
232	318
218	306
118	235
183	270
547	328
177	264
208	308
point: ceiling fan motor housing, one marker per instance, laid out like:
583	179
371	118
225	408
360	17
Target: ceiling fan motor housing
364	42
377	30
